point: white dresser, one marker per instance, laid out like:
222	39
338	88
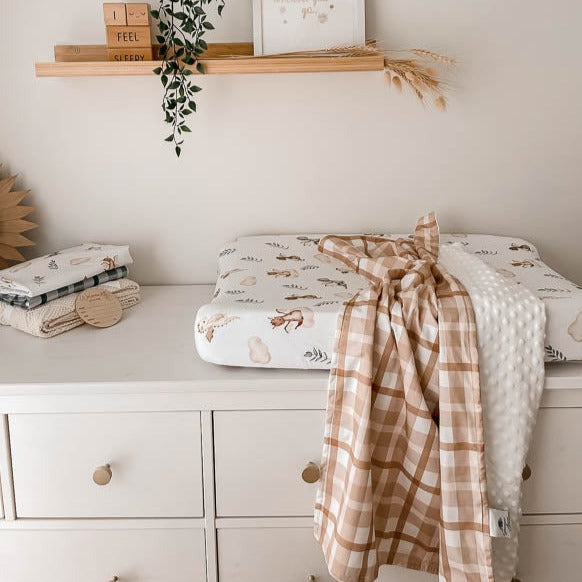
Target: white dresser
125	458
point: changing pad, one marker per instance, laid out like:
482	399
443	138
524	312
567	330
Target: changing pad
277	299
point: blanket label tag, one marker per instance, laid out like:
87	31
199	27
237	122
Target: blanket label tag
499	523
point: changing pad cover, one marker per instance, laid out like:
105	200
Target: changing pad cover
277	299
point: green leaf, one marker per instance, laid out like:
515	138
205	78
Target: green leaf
178	151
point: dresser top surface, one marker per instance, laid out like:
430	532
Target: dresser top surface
154	345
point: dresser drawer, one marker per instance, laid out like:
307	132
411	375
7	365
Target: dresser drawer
282	554
555	458
285	555
260	457
154	460
149	555
550	553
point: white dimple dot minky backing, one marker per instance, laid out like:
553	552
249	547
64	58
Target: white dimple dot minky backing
511	323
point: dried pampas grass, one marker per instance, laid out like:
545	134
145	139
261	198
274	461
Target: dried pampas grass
418	69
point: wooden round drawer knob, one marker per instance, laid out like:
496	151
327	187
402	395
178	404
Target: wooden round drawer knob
311	578
526	473
311	473
102	476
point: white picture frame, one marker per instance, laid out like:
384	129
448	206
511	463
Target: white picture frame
284	26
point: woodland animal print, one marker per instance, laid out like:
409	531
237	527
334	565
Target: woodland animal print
288	319
289	273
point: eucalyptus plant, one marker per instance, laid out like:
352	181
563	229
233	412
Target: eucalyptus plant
182	25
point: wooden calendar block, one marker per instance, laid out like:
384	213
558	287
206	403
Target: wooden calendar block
138	14
129	37
123	55
115	14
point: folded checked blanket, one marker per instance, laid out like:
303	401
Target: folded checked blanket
59	315
62	268
86	283
404	478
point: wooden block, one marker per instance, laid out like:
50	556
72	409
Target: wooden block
122	55
115	14
129	37
138	14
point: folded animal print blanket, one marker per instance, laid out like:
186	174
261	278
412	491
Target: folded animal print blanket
403	471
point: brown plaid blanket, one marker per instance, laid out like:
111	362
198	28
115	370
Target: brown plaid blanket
403	472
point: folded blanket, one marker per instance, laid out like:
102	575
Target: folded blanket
403	477
62	268
86	283
59	315
510	329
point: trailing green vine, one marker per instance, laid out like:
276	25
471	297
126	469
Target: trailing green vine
182	24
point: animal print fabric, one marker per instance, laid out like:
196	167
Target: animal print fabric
62	268
261	278
403	472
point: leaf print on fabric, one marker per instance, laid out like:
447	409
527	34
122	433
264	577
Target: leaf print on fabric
310	267
325	303
250	259
295	286
249	300
296	297
554	354
555	276
39	280
486	252
208	326
235	292
258	351
305	241
575	329
317	356
227	252
554	290
329	282
53	265
227	274
282	257
277	245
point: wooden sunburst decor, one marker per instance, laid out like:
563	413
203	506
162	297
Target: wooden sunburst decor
12	223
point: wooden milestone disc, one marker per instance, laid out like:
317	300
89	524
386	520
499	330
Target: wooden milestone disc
98	307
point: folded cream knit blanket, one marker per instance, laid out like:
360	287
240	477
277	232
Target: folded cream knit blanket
59	315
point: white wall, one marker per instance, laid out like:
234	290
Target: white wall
304	152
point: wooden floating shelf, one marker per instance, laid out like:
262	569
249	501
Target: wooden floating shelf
220	59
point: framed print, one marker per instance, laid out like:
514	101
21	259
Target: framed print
285	26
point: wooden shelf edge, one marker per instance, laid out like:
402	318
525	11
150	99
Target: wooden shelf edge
216	66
